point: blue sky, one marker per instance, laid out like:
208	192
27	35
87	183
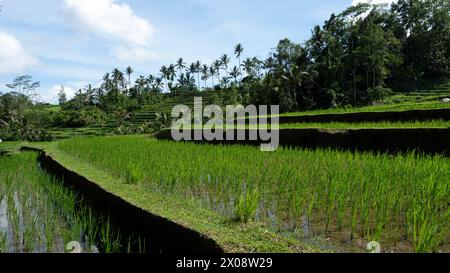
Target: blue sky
74	42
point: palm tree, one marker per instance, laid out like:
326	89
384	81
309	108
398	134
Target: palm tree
192	70
141	83
197	69
164	73
151	79
158	83
205	73
171	74
225	60
238	50
248	66
235	73
269	65
212	73
180	65
107	82
129	71
257	65
118	79
217	64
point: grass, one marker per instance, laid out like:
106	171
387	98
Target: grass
339	194
42	215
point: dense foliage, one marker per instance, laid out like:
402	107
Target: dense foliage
355	58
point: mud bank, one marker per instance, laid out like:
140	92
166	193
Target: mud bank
161	235
393	116
428	141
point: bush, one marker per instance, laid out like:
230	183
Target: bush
86	117
378	93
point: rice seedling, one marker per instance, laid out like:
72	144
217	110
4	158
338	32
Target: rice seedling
246	205
367	195
134	174
425	105
110	240
365	125
3	242
41	213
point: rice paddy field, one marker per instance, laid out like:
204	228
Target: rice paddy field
366	125
402	106
349	125
319	197
38	214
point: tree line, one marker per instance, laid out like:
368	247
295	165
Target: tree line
355	58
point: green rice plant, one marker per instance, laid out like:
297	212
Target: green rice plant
427	225
91	228
110	240
49	230
29	234
41	211
246	205
13	215
142	245
3	242
369	195
366	125
134	174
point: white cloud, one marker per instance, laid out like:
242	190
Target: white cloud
115	22
138	55
13	57
51	95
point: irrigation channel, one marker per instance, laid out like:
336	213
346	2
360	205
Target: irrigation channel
44	206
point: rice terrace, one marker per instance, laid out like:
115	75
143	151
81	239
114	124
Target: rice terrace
351	155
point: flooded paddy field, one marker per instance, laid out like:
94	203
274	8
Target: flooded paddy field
39	215
339	200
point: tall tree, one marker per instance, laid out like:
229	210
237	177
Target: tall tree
198	66
129	72
217	66
62	97
235	73
180	65
192	70
24	85
238	50
212	73
225	61
205	73
165	74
